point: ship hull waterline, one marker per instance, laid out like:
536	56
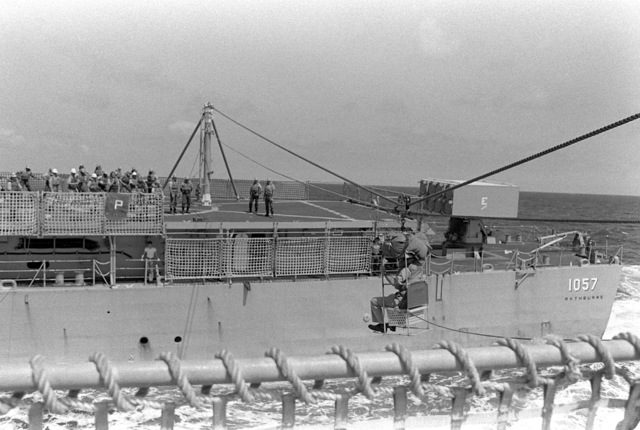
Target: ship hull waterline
304	317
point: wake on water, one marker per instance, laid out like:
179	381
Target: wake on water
365	414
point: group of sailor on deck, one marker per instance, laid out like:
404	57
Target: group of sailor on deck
254	196
410	251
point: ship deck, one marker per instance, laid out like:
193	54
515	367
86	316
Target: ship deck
285	211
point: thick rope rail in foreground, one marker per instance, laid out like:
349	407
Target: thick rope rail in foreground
99	372
340	362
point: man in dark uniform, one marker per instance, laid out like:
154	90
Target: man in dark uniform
269	191
186	189
254	196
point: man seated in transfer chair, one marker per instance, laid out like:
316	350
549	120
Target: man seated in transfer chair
405	276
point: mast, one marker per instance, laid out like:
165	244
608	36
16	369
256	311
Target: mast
205	153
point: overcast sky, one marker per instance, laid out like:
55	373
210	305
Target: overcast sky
382	92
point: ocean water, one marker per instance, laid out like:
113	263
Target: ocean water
378	414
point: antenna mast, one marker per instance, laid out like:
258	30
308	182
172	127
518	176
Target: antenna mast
205	153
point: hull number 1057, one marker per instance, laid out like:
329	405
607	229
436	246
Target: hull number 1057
584	284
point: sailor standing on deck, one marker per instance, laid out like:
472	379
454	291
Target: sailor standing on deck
186	189
269	191
73	182
254	196
13	184
149	255
173	195
54	181
24	178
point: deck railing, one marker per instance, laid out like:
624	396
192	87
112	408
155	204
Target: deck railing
548	367
80	214
216	258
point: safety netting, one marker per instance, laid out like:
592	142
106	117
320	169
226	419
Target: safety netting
74	214
19	213
192	258
144	215
285	190
243	256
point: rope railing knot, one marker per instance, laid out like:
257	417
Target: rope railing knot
109	376
175	369
285	368
404	355
631	338
41	380
363	384
467	364
571	369
603	352
532	377
234	372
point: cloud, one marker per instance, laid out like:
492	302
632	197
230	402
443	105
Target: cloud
434	40
182	127
10	136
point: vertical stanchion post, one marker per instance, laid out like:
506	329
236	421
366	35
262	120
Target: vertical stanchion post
631	411
549	390
102	415
457	408
219	413
288	411
167	417
399	407
596	383
505	396
342	412
35	416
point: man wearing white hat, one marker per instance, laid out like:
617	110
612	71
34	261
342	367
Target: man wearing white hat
55	181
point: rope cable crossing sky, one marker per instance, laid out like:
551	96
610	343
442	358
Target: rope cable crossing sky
532	157
462	184
303	158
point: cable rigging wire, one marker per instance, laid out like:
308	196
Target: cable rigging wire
283	175
301	157
532	157
462	184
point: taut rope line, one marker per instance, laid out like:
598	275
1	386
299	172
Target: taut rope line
533	157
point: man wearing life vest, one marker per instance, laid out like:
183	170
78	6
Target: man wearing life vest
254	196
400	281
73	181
24	178
152	181
54	181
13	184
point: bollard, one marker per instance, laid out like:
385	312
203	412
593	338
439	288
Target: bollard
79	277
59	278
